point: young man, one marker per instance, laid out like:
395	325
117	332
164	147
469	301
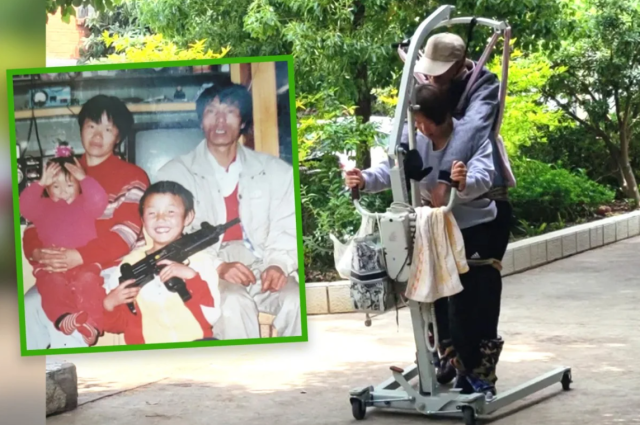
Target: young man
445	64
161	316
257	259
104	122
447	67
473	313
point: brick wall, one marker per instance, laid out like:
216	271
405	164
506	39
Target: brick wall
64	40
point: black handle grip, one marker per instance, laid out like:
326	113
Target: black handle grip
355	193
175	284
126	273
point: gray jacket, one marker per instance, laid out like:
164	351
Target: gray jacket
476	124
471	209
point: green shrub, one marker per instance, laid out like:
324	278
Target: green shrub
547	194
326	204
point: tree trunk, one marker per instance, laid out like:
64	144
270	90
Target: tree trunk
631	190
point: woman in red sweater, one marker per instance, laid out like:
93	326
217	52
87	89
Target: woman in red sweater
104	122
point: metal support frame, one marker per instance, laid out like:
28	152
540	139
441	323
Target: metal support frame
427	395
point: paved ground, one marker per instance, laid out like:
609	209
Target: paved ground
583	312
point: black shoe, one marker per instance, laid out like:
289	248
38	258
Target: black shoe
446	374
463	385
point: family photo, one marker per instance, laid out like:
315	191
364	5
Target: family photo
157	206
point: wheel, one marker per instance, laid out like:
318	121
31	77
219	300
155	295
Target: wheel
469	415
566	381
358	408
367	322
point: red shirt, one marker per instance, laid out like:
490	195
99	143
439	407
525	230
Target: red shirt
122	321
233	211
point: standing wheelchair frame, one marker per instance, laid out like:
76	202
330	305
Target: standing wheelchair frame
396	233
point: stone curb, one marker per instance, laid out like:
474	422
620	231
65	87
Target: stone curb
526	254
62	387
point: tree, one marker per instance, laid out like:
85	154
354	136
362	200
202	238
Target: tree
153	48
599	87
120	20
67	7
337	44
527	118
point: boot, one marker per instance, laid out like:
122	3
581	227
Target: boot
483	378
461	382
445	371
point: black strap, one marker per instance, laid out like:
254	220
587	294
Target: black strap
472	25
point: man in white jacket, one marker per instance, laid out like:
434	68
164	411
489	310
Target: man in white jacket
257	261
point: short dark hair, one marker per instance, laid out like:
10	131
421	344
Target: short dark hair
433	103
230	94
115	109
171	188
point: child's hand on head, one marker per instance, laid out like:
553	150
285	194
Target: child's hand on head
49	173
121	295
173	269
76	170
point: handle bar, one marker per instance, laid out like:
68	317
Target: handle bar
355	197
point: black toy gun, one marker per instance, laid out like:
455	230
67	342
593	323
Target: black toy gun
145	270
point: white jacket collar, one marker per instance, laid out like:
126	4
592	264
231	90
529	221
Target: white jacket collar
251	164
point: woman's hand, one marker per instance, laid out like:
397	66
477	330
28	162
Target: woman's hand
121	295
353	178
57	260
459	174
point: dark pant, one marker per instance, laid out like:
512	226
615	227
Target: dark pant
73	291
472	315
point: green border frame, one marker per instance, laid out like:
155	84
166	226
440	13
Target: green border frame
16	207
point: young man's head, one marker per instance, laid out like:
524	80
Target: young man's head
64	187
431	109
104	121
225	113
166	208
443	58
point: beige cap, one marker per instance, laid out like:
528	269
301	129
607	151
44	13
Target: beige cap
440	53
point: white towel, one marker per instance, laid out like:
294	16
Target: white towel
438	256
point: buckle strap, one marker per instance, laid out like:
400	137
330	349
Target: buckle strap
496	264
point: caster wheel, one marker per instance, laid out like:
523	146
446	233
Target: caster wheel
367	322
358	408
566	381
469	416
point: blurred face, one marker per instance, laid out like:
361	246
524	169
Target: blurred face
221	123
425	125
444	80
164	218
64	188
99	138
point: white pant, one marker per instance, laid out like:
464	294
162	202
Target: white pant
40	331
241	305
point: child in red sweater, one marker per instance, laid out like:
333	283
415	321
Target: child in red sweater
166	209
64	206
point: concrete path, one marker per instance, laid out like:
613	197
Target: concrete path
582	312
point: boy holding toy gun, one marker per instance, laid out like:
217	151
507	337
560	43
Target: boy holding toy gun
161	315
